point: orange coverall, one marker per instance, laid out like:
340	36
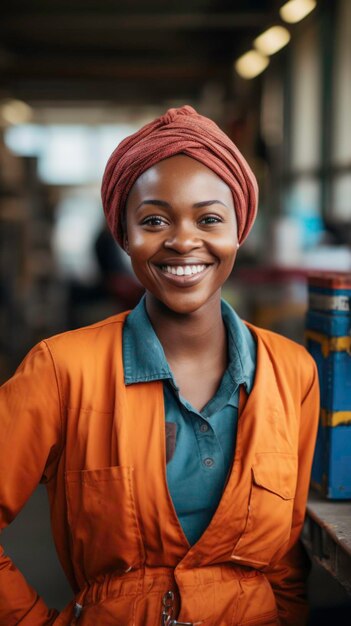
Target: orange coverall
68	420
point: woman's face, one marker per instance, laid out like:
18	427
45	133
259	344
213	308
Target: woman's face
181	233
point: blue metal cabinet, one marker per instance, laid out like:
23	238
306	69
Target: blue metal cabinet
328	339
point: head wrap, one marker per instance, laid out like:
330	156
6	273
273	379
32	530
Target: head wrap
178	131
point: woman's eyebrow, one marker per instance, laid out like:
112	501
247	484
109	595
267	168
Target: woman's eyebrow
198	205
163	203
155	203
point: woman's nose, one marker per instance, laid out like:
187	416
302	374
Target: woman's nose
183	238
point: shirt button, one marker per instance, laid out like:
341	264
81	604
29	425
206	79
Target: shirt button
204	428
208	462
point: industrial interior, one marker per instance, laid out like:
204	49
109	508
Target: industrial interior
78	77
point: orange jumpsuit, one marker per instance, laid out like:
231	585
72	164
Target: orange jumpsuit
68	420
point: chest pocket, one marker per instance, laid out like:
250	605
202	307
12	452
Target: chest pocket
103	521
270	508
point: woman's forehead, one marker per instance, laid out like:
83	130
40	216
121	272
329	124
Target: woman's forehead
178	171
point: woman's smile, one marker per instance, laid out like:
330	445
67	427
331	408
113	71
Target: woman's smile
184	275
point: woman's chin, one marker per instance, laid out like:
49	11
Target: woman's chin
184	304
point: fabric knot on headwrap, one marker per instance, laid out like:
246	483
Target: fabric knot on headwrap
178	131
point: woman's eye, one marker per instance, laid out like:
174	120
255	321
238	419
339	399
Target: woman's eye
210	219
153	220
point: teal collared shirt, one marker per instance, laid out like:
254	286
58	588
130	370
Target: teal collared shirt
200	444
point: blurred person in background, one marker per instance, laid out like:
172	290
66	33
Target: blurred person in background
175	441
117	281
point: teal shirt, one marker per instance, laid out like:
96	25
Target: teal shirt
201	444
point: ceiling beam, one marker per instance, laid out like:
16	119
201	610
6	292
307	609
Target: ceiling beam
151	22
111	68
117	91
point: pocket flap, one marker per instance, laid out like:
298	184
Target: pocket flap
277	473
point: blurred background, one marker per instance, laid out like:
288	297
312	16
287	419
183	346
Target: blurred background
75	79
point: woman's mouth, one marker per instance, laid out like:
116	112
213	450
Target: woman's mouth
183	270
184	275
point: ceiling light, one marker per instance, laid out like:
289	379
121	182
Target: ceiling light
272	40
296	10
251	64
15	112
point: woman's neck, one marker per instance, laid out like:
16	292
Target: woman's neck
188	336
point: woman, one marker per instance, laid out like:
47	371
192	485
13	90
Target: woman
176	441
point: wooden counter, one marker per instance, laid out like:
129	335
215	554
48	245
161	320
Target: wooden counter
327	536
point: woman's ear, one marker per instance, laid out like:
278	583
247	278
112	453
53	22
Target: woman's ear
125	244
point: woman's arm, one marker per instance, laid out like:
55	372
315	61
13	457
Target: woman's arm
30	442
289	575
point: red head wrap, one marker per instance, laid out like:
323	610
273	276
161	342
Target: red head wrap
178	131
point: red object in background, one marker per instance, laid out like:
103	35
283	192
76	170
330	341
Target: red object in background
330	280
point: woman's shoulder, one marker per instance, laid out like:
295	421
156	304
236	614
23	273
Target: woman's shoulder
270	337
86	345
283	352
105	327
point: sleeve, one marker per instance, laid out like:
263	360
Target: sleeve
288	576
30	442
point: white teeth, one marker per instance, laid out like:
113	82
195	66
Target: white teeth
183	270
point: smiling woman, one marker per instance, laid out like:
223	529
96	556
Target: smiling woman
175	440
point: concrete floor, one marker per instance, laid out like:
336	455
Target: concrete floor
28	542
